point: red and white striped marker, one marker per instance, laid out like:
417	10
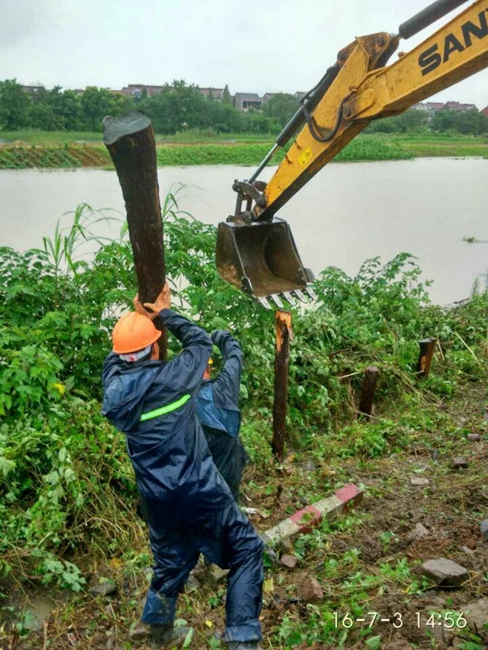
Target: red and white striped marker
304	520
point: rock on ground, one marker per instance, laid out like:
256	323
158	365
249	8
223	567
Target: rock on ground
103	589
419	482
417	533
484	529
445	572
309	589
288	561
459	463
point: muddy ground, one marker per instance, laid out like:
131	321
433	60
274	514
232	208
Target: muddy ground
383	530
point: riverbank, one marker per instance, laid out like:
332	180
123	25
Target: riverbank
38	150
75	562
23	156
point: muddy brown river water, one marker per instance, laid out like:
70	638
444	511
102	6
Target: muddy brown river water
345	215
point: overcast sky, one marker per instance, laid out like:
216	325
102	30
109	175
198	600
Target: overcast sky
253	46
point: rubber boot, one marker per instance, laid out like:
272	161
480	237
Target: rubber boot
243	645
162	635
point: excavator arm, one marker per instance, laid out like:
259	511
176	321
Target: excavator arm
255	249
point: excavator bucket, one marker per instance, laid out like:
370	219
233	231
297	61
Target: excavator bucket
262	260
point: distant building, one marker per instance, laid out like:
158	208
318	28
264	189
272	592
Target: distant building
485	111
216	93
430	107
457	106
434	107
245	101
136	90
268	96
33	90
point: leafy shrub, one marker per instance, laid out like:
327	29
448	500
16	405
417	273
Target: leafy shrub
65	480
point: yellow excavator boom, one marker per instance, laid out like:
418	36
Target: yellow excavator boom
255	249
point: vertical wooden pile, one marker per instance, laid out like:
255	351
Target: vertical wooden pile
427	349
368	391
132	147
282	360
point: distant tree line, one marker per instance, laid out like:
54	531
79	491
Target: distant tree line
470	122
181	107
178	107
57	109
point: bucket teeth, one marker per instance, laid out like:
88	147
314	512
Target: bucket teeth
290	298
298	293
264	302
277	300
311	293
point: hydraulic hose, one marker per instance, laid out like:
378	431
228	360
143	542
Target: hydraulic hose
308	103
428	16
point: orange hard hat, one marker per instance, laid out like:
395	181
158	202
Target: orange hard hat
134	332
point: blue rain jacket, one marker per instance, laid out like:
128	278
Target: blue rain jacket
187	504
219	415
218	399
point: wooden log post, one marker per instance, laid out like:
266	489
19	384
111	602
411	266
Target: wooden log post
368	391
427	348
132	147
282	359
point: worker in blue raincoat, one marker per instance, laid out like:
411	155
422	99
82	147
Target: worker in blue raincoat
188	506
219	414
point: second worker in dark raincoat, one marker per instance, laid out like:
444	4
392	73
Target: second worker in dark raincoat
219	414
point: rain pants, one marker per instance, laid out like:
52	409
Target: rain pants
188	506
218	412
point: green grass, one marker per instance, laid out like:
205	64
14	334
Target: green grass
369	147
35	136
446	149
49	137
214	154
202	136
440	144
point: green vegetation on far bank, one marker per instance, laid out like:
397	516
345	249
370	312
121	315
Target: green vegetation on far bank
47	138
361	149
39	149
192	136
445	148
22	156
52	157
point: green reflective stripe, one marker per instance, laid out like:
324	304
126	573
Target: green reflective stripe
165	409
